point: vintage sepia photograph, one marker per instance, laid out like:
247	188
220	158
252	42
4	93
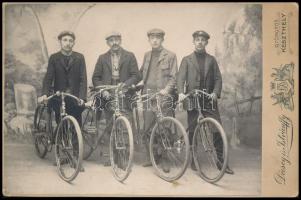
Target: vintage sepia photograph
133	99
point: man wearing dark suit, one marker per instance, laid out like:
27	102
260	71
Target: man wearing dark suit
66	72
200	70
116	67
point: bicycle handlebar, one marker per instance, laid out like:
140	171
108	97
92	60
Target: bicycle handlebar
104	87
196	92
58	93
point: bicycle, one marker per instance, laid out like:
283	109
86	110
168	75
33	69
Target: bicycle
121	138
210	163
66	137
168	139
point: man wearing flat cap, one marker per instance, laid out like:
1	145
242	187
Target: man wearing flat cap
66	72
200	70
158	71
116	67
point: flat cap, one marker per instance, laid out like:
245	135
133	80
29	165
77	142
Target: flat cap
201	33
156	31
113	33
64	33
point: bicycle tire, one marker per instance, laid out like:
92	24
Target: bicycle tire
220	129
186	149
87	137
128	167
80	148
37	135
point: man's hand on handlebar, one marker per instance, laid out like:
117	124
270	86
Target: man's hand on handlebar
42	98
181	97
213	96
81	102
106	95
163	92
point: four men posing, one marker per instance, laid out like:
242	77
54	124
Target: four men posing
159	73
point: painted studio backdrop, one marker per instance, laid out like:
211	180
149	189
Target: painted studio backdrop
236	41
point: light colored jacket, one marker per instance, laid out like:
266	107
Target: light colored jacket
167	69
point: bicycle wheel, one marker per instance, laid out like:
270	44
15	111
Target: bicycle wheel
121	148
169	149
89	132
41	126
210	150
68	148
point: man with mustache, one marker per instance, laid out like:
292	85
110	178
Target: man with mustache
158	70
67	73
116	67
199	70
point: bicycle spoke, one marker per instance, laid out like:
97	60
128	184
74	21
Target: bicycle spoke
209	151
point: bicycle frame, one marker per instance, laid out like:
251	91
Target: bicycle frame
196	93
63	113
158	113
117	111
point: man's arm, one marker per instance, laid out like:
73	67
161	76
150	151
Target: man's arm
97	74
134	72
217	79
49	76
181	78
83	80
171	84
142	69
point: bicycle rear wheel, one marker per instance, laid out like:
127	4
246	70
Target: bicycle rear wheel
169	149
210	150
68	148
121	148
41	126
89	132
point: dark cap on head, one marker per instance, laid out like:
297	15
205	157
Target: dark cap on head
112	34
156	31
64	33
201	33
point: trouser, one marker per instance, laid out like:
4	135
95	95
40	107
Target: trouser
108	112
72	108
192	122
150	120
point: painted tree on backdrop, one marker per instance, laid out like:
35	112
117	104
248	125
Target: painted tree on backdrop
17	71
241	61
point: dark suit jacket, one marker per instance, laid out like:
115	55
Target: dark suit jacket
59	74
128	74
189	72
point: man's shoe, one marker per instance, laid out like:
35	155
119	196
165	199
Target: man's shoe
165	167
63	162
107	163
147	164
229	171
193	166
81	169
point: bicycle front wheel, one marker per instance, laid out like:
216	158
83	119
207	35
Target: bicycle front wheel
210	150
68	148
169	149
121	148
